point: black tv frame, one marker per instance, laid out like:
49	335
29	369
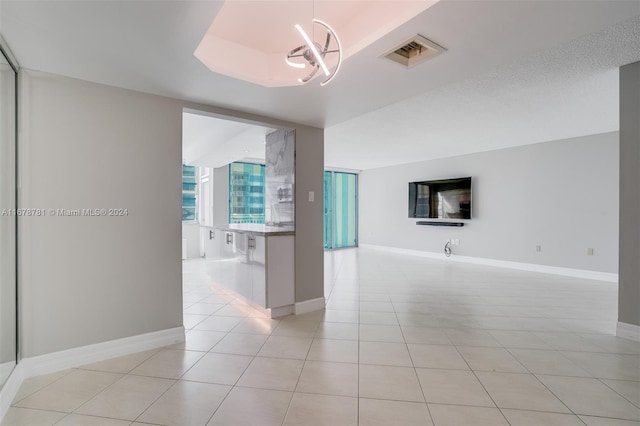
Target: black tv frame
439	221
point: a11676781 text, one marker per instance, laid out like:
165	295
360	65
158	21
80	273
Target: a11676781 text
58	212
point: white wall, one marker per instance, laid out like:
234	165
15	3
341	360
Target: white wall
221	195
191	232
86	280
309	214
562	195
629	287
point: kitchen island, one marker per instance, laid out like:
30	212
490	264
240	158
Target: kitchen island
256	262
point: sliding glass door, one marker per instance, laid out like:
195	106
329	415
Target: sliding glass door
8	218
328	206
340	210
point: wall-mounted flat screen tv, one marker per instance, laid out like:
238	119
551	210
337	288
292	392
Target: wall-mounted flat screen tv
440	199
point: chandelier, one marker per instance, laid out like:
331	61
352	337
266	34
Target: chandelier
313	54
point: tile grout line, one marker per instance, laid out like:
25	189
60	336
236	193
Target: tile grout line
69	371
481	384
552	393
183	374
415	372
304	363
618	393
166	390
239	377
123	375
603	346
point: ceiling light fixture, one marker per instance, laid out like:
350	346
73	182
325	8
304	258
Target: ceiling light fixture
314	54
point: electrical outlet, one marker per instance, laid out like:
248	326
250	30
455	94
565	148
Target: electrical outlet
312	196
589	251
538	248
456	242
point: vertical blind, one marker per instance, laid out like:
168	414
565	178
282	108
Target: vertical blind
246	193
189	192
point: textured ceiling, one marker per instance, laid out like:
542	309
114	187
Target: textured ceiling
568	91
148	46
515	72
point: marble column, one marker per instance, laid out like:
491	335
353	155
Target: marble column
280	178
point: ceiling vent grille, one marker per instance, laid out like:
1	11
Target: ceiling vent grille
414	51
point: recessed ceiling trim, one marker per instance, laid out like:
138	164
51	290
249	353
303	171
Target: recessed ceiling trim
247	39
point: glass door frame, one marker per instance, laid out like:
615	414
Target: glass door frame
332	199
328	212
13	63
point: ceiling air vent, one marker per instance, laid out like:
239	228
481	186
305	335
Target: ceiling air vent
413	51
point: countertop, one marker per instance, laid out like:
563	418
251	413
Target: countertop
258	229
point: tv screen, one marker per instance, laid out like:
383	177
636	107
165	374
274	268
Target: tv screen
440	199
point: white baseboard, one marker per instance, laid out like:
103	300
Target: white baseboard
531	267
309	306
281	311
77	357
628	331
10	390
5	370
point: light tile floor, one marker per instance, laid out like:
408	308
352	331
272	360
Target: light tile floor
403	341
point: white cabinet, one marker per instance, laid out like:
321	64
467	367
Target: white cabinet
260	268
280	271
214	242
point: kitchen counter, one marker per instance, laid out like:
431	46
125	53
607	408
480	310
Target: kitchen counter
257	229
256	262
